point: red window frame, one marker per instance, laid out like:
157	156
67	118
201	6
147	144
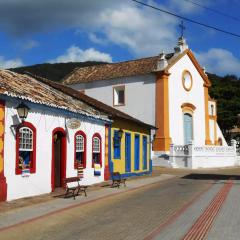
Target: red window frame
100	138
85	149
33	154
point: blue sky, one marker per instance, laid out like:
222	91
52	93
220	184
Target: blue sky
33	32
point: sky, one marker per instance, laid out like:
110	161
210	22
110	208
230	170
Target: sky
54	31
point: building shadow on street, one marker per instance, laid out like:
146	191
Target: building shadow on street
214	177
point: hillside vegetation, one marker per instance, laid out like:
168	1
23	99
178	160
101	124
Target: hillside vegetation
54	71
226	90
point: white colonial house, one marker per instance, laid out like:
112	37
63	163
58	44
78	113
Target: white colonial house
44	147
169	91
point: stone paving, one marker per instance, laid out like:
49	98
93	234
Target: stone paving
147	209
179	228
130	215
19	215
227	223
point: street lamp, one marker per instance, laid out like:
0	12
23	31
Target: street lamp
22	111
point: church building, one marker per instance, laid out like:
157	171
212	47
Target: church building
169	91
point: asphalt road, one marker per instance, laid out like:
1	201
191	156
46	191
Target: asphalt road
130	215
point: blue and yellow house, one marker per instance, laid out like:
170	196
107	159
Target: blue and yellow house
130	147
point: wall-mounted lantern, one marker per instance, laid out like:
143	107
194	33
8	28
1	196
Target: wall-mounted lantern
22	111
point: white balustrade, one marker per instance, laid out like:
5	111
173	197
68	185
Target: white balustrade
194	156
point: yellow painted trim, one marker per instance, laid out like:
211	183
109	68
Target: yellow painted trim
188	107
2	123
207	133
212	117
106	146
162	139
195	63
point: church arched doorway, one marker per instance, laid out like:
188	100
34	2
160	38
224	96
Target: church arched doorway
188	128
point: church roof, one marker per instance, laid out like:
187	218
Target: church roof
113	70
129	68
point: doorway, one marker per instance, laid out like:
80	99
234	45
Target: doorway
188	128
58	157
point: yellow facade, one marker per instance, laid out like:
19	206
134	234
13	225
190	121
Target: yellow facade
132	129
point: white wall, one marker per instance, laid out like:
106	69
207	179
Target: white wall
178	95
211	130
193	156
139	95
46	121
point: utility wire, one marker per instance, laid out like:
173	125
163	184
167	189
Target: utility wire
187	19
213	10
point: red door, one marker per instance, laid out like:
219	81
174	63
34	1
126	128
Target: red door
59	145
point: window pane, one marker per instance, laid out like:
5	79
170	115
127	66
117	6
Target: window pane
96	157
24	159
96	145
121	96
79	143
25	139
79	157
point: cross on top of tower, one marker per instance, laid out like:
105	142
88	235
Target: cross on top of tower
182	27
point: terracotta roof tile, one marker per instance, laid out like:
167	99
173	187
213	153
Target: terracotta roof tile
28	88
113	70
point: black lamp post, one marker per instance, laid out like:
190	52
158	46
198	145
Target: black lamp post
22	110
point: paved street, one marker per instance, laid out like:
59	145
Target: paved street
192	207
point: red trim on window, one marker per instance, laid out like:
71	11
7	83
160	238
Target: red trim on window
100	138
63	154
85	149
33	153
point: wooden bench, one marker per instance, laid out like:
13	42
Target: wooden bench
117	179
76	189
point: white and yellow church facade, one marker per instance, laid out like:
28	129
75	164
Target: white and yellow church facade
169	91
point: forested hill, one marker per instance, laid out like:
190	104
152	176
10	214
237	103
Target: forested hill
226	90
54	71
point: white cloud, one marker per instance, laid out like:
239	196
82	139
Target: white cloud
143	31
30	44
75	54
189	6
219	61
10	63
95	39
